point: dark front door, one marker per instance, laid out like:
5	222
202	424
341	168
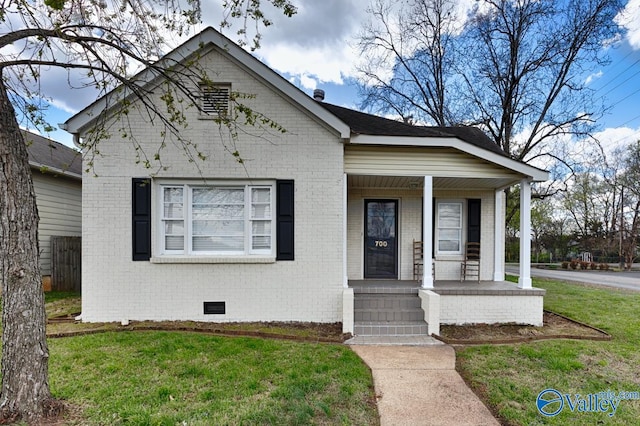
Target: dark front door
380	242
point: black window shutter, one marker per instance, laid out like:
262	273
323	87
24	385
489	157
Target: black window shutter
284	219
141	214
473	220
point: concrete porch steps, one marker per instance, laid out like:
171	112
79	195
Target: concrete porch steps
388	312
371	328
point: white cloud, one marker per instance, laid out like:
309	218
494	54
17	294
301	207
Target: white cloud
615	137
629	19
593	77
308	82
316	42
324	63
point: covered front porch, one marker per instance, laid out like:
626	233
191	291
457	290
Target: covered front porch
387	217
443	192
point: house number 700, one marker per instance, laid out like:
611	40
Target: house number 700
381	244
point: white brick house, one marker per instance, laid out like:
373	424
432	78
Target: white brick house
281	236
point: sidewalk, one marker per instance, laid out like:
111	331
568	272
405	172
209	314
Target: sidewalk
416	384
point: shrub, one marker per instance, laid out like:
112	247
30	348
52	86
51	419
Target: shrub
574	264
565	265
584	265
593	266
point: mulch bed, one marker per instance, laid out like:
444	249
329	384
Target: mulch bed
555	326
298	331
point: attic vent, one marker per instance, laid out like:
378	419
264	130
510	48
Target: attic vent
214	308
215	99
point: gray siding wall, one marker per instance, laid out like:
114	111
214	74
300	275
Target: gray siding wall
59	201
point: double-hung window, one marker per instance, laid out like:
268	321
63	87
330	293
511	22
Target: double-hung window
225	219
449	227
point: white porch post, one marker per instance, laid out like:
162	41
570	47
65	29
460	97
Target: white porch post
498	236
427	232
348	322
345	279
525	234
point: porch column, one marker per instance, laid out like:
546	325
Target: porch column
427	232
498	236
345	277
525	234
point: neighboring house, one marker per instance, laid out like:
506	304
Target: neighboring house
57	181
312	219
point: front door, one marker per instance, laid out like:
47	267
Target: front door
380	242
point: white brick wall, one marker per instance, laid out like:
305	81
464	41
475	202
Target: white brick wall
489	309
307	289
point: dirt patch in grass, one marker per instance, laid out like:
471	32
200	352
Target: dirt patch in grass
65	326
63	311
555	327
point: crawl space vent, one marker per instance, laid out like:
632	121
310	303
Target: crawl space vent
214	308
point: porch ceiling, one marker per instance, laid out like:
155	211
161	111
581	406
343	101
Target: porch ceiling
416	182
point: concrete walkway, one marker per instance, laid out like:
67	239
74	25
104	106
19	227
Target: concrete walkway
416	383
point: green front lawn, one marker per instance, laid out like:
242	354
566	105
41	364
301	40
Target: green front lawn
510	377
179	378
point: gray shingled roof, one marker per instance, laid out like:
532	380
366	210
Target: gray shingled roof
368	124
48	154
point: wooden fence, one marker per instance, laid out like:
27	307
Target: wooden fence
66	266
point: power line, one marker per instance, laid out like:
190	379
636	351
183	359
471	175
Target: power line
620	73
624	81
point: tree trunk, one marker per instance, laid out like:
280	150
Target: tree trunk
25	382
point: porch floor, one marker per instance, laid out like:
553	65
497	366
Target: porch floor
496	288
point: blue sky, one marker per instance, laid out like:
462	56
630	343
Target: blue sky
314	50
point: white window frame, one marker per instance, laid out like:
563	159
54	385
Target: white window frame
460	227
188	187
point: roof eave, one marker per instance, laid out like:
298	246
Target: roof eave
55	170
534	174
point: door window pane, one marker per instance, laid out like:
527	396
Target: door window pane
380	242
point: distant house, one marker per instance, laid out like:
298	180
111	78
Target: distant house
57	181
314	224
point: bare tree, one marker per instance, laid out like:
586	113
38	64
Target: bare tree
515	67
630	206
414	41
103	43
589	204
528	65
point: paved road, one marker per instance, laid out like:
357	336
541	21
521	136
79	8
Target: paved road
625	280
